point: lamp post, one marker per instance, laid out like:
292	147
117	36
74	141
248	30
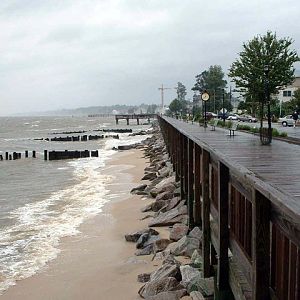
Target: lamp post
205	98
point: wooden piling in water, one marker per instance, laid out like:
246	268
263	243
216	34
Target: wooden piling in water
33	154
26	153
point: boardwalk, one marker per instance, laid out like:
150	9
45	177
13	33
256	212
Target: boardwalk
277	164
246	198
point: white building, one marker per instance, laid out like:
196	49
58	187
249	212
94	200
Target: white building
287	93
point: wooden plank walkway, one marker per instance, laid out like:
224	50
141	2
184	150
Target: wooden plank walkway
277	164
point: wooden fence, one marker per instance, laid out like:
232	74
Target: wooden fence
251	242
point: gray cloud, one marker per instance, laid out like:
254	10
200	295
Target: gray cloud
61	54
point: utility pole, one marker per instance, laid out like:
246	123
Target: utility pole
162	88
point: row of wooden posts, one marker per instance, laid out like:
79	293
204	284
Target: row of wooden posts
52	155
82	138
16	155
67	154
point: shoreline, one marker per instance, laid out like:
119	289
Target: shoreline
98	263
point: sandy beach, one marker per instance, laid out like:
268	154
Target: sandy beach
98	263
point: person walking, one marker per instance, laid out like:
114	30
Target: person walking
295	118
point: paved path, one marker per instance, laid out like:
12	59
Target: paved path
277	164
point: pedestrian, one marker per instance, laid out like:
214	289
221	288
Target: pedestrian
295	117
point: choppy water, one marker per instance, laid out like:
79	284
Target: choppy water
43	201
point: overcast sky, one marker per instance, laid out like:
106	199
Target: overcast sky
68	53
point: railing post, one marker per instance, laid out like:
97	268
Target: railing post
191	183
205	214
261	246
181	162
197	186
223	233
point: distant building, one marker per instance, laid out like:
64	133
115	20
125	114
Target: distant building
287	93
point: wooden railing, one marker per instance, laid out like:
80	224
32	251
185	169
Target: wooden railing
249	237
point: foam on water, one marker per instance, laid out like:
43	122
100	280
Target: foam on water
27	246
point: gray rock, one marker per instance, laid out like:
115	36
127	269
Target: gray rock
178	231
139	188
177	192
155	287
151	240
149	176
171	260
160	245
145	251
188	273
172	295
185	246
144	277
133	237
158	204
165	271
196	233
164	196
174	202
147	208
175	215
196	260
142	240
195	295
203	285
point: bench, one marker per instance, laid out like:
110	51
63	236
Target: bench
213	126
232	129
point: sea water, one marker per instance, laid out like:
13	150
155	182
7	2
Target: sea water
43	201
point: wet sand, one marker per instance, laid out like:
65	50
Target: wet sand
98	263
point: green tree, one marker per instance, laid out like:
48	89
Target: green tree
213	81
176	106
181	91
248	71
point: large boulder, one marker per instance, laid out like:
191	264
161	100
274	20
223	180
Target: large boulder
185	246
164	196
144	277
160	245
171	217
196	233
188	273
166	270
178	231
133	237
145	251
142	240
155	287
172	295
138	188
149	176
195	295
202	285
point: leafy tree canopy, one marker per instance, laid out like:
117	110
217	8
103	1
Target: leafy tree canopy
212	80
248	71
181	91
